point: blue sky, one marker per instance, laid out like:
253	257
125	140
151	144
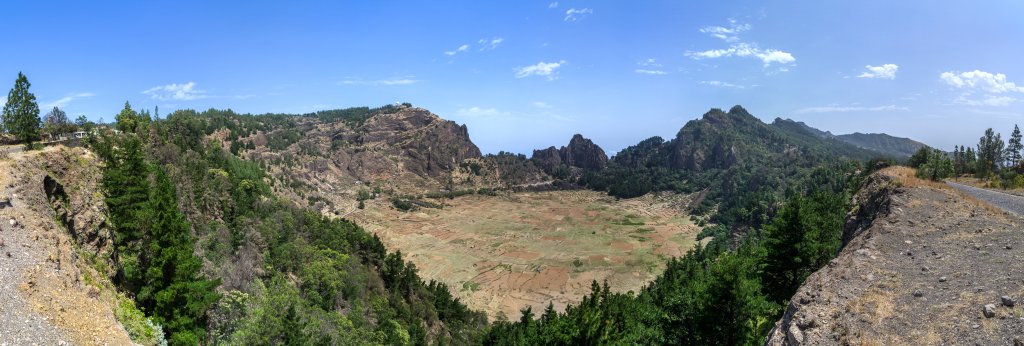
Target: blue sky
527	75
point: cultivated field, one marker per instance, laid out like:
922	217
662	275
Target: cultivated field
501	253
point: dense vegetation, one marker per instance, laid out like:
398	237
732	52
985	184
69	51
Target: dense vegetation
283	275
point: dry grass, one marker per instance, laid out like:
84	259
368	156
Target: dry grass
907	177
876	304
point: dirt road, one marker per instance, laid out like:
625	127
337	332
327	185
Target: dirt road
1005	201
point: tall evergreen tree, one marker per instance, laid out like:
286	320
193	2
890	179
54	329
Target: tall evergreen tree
126	183
173	289
1014	147
21	113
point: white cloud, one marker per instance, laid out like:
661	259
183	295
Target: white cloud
63	101
546	69
729	34
740	49
384	82
540	104
3	100
887	71
722	84
650	72
490	44
553	5
573	14
989	82
174	91
461	48
767	56
843	109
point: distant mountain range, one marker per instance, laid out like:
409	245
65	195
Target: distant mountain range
897	147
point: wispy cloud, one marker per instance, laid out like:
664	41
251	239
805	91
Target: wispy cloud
737	48
62	101
991	86
174	91
545	69
649	67
887	71
767	56
476	111
540	104
730	34
722	84
844	109
553	5
461	49
573	14
650	72
493	43
382	82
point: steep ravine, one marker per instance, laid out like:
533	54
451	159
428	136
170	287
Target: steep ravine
923	265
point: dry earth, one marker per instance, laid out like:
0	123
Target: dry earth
502	253
44	294
921	273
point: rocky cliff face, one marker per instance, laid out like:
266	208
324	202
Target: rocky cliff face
423	143
580	153
922	265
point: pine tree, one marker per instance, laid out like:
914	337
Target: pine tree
126	183
173	289
21	113
1014	147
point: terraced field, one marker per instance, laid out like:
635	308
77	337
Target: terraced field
501	253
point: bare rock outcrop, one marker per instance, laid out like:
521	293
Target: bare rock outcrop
581	153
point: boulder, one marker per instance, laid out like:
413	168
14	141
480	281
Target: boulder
989	310
1008	301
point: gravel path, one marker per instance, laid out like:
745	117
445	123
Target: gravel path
1005	201
19	323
